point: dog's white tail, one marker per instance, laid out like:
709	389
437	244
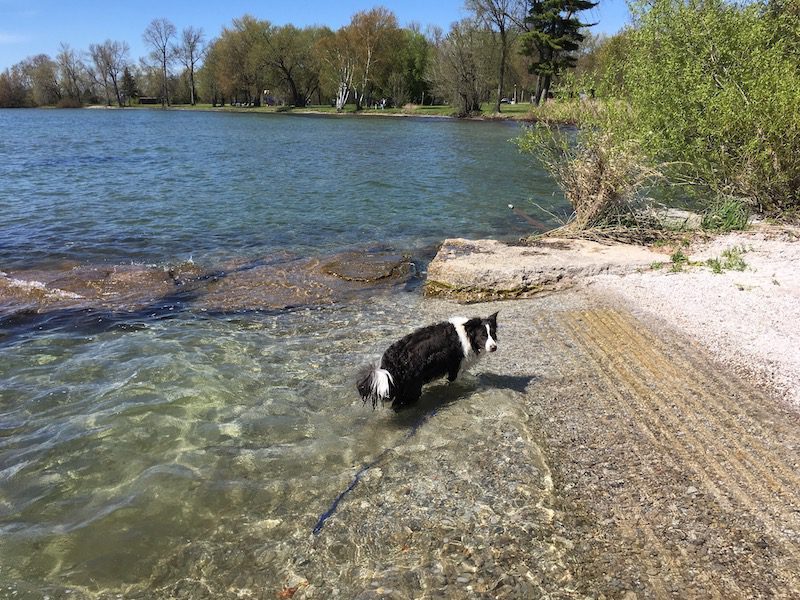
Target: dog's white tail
376	385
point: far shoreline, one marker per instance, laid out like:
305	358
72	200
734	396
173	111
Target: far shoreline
521	112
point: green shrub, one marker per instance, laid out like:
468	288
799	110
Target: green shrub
716	266
679	260
711	88
733	259
601	179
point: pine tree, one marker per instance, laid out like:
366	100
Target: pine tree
129	90
553	35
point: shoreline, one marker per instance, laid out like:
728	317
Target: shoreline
601	452
745	318
526	117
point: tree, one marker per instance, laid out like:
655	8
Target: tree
189	54
41	73
239	59
291	60
339	56
459	72
374	34
72	73
403	77
129	88
498	16
110	58
553	35
210	74
14	88
158	36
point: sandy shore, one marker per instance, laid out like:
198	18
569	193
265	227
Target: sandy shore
746	319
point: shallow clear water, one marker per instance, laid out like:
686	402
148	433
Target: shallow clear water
122	445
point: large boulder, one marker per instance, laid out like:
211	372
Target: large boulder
480	270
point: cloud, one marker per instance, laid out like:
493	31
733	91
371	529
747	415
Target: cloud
8	39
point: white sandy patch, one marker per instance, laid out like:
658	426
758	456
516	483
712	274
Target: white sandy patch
749	319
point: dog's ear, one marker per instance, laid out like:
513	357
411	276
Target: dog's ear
493	318
473	323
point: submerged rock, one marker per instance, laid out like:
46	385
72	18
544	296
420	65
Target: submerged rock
87	285
369	268
265	283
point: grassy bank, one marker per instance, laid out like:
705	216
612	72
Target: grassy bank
561	112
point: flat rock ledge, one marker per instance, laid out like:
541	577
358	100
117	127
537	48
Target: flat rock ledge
482	270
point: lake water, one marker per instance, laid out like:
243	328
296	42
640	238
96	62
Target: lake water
132	436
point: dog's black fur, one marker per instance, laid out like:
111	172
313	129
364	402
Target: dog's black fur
425	355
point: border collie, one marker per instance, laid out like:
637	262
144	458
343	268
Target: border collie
429	353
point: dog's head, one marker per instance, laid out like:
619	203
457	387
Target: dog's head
482	333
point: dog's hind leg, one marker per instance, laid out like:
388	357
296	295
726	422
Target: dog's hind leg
452	374
407	397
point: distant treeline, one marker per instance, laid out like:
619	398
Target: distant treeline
504	50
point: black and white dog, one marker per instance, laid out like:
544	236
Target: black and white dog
429	353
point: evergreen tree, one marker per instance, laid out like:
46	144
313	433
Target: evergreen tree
553	35
129	90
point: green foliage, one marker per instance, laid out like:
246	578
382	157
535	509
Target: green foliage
128	87
726	214
733	259
715	265
407	82
711	88
679	260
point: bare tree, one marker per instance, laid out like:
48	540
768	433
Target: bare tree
459	71
72	73
189	54
110	59
158	36
499	16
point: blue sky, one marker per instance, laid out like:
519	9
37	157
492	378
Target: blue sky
29	27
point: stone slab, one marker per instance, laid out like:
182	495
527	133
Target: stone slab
479	270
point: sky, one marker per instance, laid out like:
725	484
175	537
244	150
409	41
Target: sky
30	27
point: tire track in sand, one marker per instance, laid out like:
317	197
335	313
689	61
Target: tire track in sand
690	416
733	427
554	330
696	464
